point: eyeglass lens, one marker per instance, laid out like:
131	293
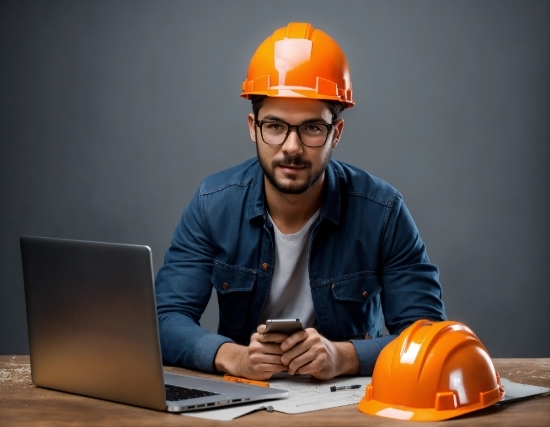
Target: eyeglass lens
311	134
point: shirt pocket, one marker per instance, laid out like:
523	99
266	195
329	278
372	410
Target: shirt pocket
234	287
357	303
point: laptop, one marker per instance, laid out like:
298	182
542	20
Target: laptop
93	331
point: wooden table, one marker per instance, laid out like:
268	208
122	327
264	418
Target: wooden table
23	404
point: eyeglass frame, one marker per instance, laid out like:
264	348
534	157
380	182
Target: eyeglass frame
329	127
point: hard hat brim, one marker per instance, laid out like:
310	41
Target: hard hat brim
300	93
379	409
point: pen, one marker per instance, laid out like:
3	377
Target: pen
245	381
345	387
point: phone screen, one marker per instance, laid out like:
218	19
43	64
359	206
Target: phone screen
285	326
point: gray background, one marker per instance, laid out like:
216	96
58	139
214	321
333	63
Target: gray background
112	112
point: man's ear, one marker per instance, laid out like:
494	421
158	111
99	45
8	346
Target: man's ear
338	129
252	127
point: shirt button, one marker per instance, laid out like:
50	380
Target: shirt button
265	266
365	294
367	337
225	285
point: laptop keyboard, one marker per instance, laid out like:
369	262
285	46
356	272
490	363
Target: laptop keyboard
175	393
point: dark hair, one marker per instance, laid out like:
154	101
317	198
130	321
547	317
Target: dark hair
335	107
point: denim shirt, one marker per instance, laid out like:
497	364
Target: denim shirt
367	264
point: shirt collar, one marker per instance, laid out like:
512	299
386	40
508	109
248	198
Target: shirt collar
256	205
330	208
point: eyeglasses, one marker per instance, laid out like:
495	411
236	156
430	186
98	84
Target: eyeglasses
311	134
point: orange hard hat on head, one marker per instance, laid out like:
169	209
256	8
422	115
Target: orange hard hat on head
433	371
299	61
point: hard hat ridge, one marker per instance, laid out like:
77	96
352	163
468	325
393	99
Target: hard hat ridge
297	30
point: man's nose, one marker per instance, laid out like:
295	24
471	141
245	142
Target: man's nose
293	145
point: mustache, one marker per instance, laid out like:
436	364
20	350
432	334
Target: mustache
291	161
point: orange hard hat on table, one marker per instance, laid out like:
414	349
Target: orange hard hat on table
433	371
299	61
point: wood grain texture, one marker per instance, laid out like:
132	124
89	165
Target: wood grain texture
23	404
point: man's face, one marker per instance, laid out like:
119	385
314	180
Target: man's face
293	168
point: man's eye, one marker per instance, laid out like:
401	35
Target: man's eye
312	128
274	126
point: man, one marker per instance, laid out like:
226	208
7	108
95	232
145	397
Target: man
294	234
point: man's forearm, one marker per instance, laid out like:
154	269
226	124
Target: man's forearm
229	358
348	361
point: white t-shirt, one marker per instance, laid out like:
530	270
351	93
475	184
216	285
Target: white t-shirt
290	293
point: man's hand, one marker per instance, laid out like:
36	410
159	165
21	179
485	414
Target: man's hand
259	361
308	352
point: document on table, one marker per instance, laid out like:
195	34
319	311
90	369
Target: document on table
304	394
307	394
515	391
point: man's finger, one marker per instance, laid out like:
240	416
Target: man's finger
296	364
266	348
288	356
276	337
294	339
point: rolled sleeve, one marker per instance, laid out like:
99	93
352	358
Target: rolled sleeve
368	352
205	352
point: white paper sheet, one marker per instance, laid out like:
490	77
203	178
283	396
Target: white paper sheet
305	394
515	391
229	413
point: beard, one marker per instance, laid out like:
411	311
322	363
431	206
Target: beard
295	187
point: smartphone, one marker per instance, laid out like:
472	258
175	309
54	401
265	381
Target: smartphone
285	326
